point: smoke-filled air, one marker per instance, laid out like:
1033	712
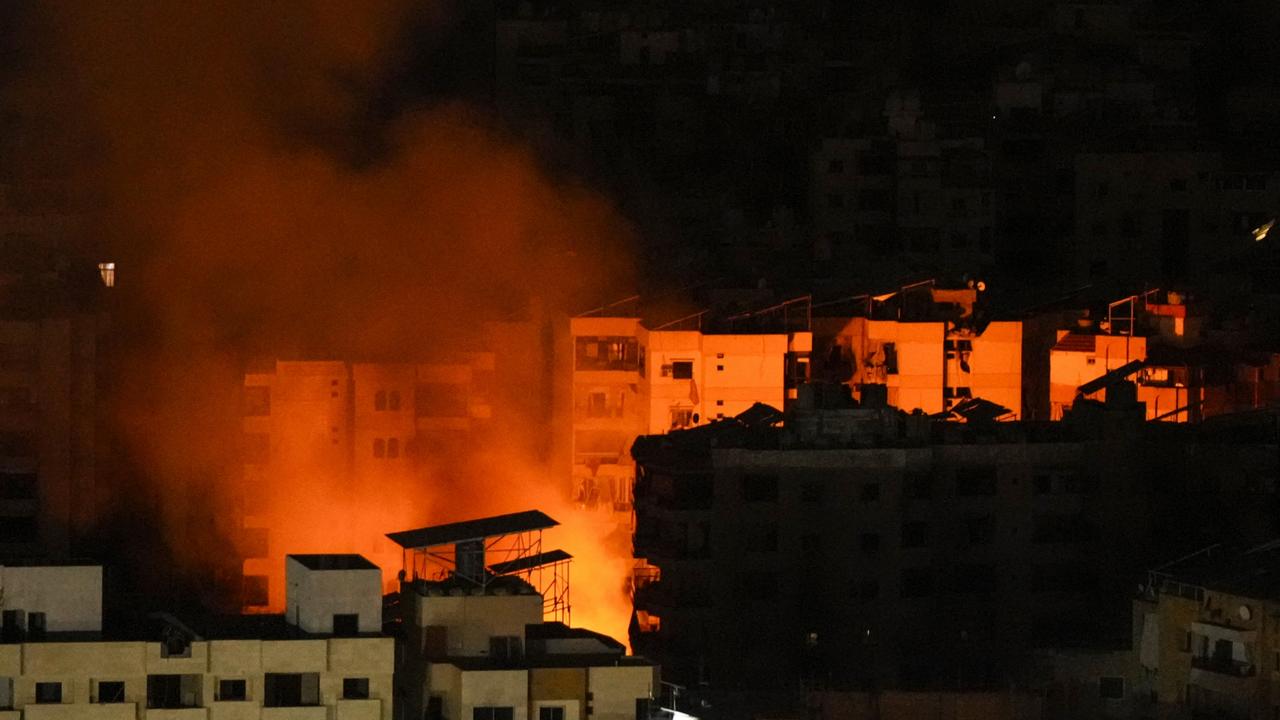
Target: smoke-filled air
265	195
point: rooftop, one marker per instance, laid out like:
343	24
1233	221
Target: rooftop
334	562
1252	572
478	529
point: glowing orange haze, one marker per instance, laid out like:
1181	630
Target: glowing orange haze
213	146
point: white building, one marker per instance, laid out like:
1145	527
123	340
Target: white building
332	665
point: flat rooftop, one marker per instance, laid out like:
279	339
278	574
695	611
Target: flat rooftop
335	562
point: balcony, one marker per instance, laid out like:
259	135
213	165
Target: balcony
191	713
113	711
370	709
317	712
1224	666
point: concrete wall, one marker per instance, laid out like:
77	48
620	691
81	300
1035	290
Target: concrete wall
614	690
472	619
81	666
499	688
315	596
70	595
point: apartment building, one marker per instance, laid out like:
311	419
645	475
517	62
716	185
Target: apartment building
324	659
926	348
1158	340
48	434
352	430
872	549
475	643
630	381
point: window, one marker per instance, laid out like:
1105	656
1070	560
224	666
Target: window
597	405
551	713
760	488
110	691
355	688
379	447
346	624
174	691
37	626
493	713
231	690
869	493
890	358
1111	688
682	418
682	369
606	353
48	692
291	689
6	693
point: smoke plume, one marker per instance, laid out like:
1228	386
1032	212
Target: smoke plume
240	162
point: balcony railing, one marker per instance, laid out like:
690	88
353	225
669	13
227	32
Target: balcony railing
1224	666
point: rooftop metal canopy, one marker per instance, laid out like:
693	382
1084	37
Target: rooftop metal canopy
478	529
530	562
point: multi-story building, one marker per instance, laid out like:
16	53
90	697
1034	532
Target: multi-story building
931	360
629	381
475	644
324	658
339	431
49	441
873	549
1157	339
1202	636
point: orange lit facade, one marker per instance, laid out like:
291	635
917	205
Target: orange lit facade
930	366
335	453
630	381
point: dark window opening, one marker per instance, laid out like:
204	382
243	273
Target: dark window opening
48	693
1111	688
174	691
37	626
232	689
682	370
492	713
110	691
355	688
551	713
346	624
291	689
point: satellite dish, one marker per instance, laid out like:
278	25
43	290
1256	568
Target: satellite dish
1244	612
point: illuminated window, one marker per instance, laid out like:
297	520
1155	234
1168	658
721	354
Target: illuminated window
107	271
